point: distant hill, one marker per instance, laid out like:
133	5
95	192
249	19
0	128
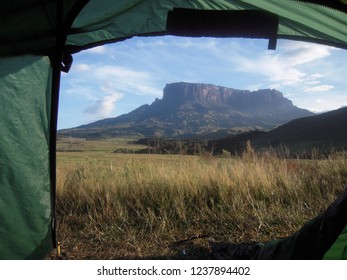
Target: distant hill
322	132
197	110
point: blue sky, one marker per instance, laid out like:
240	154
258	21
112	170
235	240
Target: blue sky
114	79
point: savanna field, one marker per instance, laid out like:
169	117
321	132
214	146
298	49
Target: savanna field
146	206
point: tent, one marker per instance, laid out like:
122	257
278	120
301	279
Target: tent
37	40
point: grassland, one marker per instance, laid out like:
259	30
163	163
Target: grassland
133	206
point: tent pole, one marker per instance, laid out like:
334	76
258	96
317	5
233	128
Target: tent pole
56	77
60	62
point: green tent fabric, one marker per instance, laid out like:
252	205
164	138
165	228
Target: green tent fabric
25	198
32	26
37	38
338	251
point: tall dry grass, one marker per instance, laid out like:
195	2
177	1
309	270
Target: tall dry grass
137	208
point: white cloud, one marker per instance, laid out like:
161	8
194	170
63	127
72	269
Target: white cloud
321	100
149	90
312	82
321	88
81	67
104	106
122	73
151	43
315	76
271	66
286	66
109	88
103	85
96	50
254	87
196	44
128	80
298	53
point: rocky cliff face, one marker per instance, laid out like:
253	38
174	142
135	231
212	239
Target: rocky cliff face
190	109
265	101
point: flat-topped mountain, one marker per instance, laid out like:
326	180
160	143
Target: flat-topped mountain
195	109
262	102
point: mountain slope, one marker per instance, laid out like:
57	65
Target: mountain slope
189	109
322	132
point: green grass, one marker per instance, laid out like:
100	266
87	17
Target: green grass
103	145
116	206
